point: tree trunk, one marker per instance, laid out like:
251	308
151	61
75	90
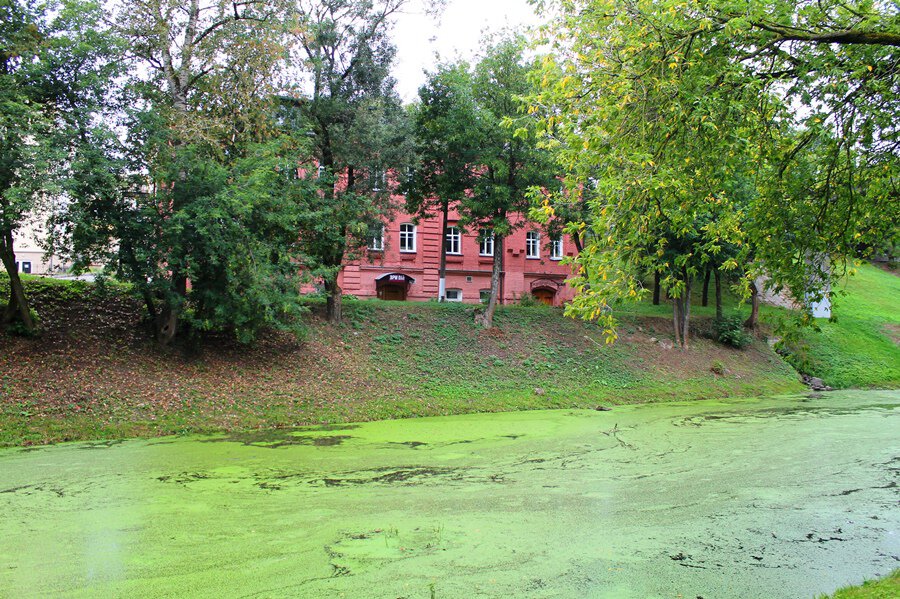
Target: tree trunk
753	322
705	300
579	243
333	303
17	308
686	323
442	272
166	324
676	319
486	319
681	313
167	319
656	289
719	312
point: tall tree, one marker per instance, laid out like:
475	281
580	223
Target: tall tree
448	126
670	100
55	61
196	225
656	153
355	122
511	164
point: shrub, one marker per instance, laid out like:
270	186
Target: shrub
718	367
18	328
730	331
529	300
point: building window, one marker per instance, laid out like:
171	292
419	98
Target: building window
533	245
487	244
556	249
407	237
376	238
453	295
484	295
23	267
379	179
452	244
320	172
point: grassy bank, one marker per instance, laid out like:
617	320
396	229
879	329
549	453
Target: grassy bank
92	374
886	588
858	348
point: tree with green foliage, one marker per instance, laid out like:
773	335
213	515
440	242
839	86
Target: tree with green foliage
357	127
665	102
510	165
55	61
448	126
196	223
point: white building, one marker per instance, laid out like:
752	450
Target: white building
31	258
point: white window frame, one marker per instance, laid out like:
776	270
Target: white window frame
457	236
486	247
376	243
556	248
457	292
410	235
320	172
379	179
533	245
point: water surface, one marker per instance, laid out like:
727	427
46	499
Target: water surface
769	498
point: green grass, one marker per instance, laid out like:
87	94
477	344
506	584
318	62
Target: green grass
859	347
886	588
93	375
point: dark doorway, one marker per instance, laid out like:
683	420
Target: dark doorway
545	296
391	292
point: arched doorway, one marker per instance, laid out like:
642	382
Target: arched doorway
544	295
393	287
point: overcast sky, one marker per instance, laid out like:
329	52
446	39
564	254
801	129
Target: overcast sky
456	33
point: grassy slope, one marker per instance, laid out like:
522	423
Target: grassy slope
93	376
886	588
860	348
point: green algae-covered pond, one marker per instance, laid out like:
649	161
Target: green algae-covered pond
783	497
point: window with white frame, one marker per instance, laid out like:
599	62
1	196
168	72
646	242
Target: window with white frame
484	295
532	245
452	243
487	244
453	295
320	172
407	237
379	179
376	238
556	248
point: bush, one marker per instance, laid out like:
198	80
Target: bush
730	331
718	367
530	301
18	329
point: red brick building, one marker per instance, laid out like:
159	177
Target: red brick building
403	264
